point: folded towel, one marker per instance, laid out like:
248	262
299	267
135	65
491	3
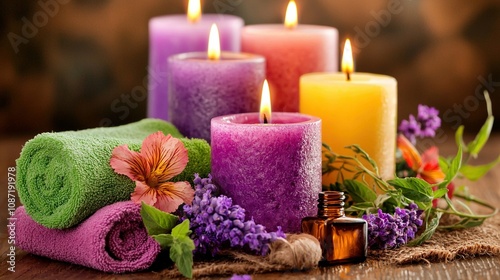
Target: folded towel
113	239
65	177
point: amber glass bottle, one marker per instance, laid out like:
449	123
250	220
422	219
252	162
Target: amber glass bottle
343	239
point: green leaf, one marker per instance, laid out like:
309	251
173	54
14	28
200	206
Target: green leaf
429	231
181	247
157	221
474	173
468	223
165	240
465	223
453	169
456	163
423	205
381	199
181	252
440	193
396	199
413	188
186	240
326	146
444	164
181	229
477	144
358	150
361	208
459	138
359	192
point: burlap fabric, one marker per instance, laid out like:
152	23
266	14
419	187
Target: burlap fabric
444	246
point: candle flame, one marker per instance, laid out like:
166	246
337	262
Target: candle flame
347	60
265	104
194	10
291	20
214	43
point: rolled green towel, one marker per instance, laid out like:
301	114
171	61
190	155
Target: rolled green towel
64	177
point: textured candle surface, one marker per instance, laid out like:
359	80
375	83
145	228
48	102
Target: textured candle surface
361	111
290	53
201	89
174	34
271	170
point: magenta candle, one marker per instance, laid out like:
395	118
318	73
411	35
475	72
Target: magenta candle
201	89
174	34
271	170
290	53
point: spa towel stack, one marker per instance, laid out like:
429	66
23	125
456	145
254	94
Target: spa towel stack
65	177
77	209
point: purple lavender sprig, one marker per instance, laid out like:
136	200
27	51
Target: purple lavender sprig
429	120
216	222
387	231
424	125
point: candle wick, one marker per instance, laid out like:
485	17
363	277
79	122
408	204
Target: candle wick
265	119
348	76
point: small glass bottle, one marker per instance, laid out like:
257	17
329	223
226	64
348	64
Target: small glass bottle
343	239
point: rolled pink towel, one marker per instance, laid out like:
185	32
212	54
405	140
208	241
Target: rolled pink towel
112	240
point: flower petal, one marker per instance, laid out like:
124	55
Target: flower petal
129	163
171	195
435	176
451	189
166	156
430	170
143	192
410	154
430	159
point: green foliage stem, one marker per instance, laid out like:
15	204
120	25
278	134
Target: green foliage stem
401	192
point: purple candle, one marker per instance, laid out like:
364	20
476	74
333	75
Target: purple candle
176	34
203	86
272	170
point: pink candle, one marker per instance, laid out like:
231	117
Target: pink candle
291	51
174	34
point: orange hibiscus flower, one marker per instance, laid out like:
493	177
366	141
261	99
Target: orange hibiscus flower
426	166
160	159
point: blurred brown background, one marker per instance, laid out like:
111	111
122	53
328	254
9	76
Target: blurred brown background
64	64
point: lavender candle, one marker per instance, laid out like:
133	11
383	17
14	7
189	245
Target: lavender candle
175	34
201	88
272	170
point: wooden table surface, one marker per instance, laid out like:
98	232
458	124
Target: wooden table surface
34	267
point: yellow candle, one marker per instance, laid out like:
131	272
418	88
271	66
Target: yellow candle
355	108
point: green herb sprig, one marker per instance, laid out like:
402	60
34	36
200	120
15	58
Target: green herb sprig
164	228
365	182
